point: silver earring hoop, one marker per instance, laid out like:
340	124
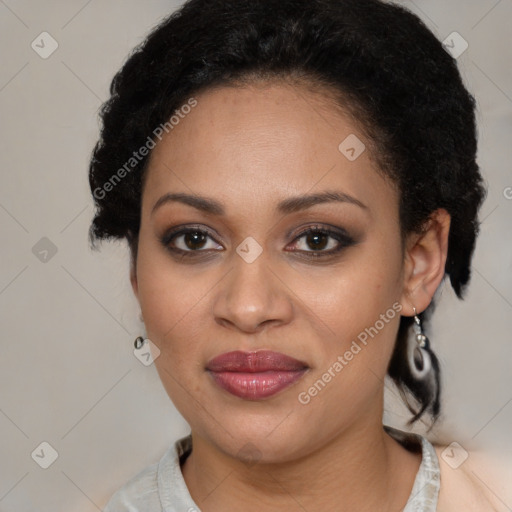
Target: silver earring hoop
420	362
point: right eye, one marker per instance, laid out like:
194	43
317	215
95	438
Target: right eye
188	240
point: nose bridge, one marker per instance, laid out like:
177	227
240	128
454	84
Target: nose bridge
251	294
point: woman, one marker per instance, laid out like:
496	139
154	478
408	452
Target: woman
294	179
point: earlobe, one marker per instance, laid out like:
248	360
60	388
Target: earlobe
424	265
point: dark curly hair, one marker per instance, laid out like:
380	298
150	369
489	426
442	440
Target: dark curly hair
381	63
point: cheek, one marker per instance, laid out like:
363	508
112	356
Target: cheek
175	317
359	303
352	295
171	298
362	311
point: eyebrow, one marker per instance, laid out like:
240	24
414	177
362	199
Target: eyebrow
289	205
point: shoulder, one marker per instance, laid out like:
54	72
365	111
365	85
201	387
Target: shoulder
157	487
138	493
461	488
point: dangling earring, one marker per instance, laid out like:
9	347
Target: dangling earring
418	356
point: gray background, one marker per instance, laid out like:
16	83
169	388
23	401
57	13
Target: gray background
68	375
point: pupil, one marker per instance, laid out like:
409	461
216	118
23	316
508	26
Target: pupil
314	237
197	238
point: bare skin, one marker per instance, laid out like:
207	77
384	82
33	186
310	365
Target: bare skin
250	148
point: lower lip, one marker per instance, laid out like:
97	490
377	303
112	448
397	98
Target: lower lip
256	386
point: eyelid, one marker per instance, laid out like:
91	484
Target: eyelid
166	238
324	228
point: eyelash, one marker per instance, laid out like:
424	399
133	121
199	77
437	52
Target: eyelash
341	237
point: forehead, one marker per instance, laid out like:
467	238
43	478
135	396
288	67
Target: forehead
264	142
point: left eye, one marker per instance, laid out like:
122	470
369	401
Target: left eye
317	240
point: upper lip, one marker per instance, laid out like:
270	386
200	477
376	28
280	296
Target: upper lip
253	362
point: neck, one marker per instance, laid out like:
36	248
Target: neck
360	469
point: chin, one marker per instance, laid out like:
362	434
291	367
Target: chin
266	439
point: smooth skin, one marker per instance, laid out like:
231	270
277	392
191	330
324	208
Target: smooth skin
249	148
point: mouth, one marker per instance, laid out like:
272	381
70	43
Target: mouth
255	375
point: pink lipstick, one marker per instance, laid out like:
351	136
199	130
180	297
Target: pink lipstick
255	375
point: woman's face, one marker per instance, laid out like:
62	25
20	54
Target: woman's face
250	280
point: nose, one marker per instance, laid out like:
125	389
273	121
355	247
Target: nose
252	296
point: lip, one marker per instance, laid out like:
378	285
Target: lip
255	375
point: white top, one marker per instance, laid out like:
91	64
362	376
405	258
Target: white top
161	487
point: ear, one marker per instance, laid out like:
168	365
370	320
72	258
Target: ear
424	264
